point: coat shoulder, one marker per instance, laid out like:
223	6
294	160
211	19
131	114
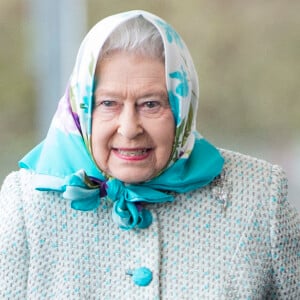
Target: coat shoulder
249	181
247	167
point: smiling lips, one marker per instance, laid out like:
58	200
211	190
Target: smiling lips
133	153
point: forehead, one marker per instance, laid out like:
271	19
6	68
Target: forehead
123	68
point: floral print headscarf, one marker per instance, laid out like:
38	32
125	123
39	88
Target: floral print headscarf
63	162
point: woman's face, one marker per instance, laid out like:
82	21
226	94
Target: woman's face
133	126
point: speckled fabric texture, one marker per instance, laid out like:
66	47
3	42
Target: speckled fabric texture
237	238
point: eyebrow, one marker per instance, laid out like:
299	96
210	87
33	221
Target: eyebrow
147	94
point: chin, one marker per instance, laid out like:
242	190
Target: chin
134	178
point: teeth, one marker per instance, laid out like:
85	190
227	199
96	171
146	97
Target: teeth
132	152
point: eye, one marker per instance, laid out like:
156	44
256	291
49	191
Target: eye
106	109
105	105
151	104
151	108
108	103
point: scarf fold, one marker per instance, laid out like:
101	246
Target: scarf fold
63	161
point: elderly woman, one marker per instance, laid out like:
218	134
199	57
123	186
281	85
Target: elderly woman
125	200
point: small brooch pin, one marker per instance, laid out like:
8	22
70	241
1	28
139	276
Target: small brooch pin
221	191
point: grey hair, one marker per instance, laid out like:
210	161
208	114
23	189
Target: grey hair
137	36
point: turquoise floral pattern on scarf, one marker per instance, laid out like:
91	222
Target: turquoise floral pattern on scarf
181	136
171	34
174	103
182	88
184	124
85	104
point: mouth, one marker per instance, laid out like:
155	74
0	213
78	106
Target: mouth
132	154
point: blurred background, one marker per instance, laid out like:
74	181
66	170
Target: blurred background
247	55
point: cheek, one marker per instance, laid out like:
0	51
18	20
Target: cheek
164	134
170	136
100	141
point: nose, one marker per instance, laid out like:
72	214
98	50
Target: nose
129	125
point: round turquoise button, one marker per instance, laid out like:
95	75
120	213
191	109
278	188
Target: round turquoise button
142	276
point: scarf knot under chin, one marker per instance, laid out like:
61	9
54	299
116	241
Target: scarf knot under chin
127	210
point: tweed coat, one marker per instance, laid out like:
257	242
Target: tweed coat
237	238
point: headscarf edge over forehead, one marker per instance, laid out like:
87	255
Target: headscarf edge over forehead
63	161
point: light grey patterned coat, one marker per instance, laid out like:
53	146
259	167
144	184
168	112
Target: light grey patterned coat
237	238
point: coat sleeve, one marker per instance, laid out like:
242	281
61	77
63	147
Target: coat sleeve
14	254
285	240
